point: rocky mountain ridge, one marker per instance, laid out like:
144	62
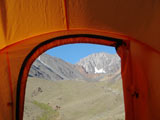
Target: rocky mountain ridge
92	67
100	63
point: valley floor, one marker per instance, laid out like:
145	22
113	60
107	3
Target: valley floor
73	100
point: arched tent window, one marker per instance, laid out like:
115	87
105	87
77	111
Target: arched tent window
69	39
75	81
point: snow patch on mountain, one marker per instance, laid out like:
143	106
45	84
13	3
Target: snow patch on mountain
99	71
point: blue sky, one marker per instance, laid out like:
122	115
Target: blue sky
72	53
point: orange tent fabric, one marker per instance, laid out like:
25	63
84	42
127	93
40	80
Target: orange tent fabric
30	27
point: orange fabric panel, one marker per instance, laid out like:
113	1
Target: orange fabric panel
154	84
2	40
146	67
140	74
28	18
16	55
134	18
15	62
2	23
140	80
40	38
6	103
9	72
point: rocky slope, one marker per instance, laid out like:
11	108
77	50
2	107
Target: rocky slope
52	68
100	63
93	67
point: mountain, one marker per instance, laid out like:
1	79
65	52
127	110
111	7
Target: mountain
92	67
100	63
52	68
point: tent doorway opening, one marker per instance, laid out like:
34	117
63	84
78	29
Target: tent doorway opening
75	82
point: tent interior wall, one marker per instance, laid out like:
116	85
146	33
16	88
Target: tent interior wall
26	24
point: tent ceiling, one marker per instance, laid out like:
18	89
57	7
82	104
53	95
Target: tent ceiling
21	19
